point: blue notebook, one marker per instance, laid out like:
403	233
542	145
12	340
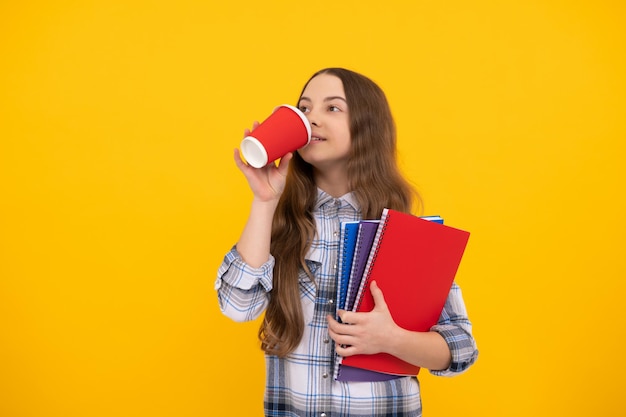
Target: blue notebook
347	243
436	219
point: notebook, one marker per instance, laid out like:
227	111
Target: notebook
365	238
347	242
414	262
346	373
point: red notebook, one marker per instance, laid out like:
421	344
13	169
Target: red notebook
414	262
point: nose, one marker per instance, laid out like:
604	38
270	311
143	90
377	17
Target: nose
313	118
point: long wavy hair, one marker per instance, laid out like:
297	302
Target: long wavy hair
375	181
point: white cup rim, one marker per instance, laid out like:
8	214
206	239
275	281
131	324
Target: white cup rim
254	152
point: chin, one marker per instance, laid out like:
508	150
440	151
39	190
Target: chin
307	155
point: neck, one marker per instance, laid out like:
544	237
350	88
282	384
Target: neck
334	183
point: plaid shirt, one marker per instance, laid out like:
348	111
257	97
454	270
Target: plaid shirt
302	384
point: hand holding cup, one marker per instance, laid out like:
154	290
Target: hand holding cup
286	130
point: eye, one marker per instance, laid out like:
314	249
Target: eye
333	108
303	109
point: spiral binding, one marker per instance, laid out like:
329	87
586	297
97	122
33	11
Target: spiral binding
372	258
342	262
340	293
351	288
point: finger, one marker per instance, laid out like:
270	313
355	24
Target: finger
341	339
238	161
377	294
345	350
283	165
342	315
350	318
332	322
247	131
336	328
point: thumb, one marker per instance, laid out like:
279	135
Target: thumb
379	298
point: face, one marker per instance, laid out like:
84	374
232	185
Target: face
324	103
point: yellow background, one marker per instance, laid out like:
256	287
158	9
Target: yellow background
119	197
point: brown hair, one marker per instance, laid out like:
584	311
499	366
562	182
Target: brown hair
375	180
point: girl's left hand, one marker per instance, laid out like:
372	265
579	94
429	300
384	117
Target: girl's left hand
364	333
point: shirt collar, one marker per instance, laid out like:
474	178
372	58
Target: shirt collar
324	198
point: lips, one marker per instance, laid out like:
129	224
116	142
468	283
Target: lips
317	138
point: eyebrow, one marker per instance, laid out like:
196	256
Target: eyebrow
331	98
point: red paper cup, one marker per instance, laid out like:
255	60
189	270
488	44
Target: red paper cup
286	130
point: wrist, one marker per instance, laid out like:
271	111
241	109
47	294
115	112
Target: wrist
396	339
267	206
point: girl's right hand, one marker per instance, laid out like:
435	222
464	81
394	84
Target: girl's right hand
267	183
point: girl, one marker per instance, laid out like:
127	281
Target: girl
285	261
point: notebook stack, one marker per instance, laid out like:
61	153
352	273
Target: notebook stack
414	261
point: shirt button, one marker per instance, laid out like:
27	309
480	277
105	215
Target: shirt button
331	302
325	375
326	340
323	415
